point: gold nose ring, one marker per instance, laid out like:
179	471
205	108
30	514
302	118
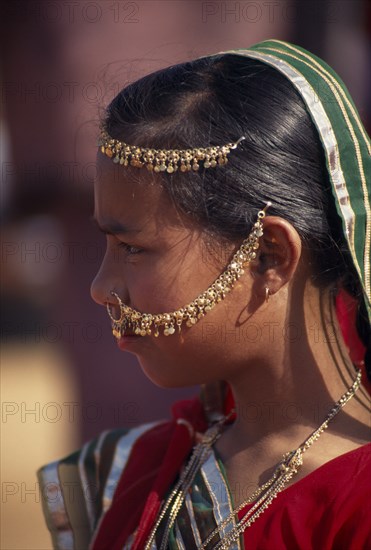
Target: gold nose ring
109	309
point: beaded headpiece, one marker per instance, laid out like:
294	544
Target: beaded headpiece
161	160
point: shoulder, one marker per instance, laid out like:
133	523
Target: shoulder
327	509
331	505
339	486
347	480
77	489
346	476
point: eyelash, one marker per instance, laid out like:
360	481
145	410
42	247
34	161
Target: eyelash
130	248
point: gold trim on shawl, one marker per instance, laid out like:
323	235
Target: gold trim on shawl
366	262
337	85
179	538
122	452
88	497
119	461
325	129
57	519
192	519
222	505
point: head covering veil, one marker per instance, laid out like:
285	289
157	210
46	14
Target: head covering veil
343	137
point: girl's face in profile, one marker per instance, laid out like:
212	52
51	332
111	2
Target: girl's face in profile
157	261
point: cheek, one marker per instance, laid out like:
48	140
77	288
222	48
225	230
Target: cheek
224	341
194	356
149	294
160	287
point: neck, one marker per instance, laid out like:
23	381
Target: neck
294	386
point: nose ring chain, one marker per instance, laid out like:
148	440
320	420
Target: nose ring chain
142	323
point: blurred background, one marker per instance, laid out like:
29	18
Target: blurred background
62	378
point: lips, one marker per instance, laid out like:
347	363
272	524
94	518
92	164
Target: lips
125	341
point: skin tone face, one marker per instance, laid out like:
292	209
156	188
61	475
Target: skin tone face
286	354
167	266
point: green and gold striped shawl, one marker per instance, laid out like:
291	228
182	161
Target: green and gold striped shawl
78	489
343	137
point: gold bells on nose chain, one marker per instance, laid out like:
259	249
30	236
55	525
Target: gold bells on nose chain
141	323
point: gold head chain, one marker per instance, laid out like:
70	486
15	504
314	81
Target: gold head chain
170	161
161	160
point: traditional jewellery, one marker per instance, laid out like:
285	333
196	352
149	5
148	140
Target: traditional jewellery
267	292
262	497
161	160
141	323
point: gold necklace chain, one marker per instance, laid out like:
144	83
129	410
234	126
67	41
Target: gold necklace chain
263	496
285	470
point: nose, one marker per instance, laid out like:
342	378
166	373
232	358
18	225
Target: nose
98	291
109	278
102	296
102	286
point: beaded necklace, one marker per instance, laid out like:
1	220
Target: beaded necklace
262	497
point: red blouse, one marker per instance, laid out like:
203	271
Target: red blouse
329	509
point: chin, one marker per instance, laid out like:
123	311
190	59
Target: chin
167	376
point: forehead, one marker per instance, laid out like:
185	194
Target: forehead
132	195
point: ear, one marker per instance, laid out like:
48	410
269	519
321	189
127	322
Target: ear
279	252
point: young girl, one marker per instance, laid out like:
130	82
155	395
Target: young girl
232	190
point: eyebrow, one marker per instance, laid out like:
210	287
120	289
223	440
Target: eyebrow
113	227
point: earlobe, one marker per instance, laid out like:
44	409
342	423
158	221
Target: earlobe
278	257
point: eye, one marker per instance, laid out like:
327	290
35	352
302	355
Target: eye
130	249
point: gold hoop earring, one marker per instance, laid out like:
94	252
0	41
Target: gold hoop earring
267	291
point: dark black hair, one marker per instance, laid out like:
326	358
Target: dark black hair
216	100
